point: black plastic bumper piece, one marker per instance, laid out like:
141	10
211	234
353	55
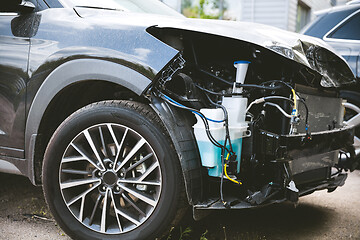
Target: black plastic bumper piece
330	185
286	147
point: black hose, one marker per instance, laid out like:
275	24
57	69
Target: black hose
226	115
203	118
238	85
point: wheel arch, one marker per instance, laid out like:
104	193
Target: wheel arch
62	84
84	81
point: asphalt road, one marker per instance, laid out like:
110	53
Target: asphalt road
321	215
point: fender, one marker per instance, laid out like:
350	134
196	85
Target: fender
69	73
180	130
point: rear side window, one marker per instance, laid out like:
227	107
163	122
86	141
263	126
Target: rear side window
325	23
348	30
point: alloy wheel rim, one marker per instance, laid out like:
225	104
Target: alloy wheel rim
110	178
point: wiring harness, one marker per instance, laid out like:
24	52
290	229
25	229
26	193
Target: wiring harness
227	148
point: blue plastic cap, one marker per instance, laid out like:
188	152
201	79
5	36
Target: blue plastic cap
239	62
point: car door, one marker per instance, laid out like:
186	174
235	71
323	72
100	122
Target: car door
15	31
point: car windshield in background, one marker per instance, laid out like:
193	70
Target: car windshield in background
138	6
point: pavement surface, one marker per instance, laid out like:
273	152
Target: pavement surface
321	215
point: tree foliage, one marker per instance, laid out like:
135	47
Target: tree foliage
209	9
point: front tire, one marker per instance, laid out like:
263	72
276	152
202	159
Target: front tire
110	172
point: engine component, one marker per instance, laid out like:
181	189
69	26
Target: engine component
177	64
241	70
274	129
211	154
235	106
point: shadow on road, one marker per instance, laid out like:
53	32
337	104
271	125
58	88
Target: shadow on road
274	222
322	216
19	198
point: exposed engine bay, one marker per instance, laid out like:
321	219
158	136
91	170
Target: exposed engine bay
268	127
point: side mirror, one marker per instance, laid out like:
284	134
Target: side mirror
25	25
18	6
26	7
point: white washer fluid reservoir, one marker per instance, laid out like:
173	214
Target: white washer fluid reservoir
236	107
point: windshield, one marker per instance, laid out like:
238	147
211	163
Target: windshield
138	6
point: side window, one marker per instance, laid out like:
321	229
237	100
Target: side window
40	5
348	30
53	3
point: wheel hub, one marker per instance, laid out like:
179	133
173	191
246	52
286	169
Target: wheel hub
109	178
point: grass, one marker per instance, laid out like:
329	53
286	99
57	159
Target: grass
185	234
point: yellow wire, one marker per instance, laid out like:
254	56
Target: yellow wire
295	105
227	176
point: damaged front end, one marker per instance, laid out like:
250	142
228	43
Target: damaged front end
267	118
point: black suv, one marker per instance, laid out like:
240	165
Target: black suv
128	113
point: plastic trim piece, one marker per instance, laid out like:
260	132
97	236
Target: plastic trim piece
8	167
182	136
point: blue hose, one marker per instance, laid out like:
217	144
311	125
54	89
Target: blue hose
179	104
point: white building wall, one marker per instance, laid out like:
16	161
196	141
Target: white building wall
277	13
266	12
292	15
314	5
317	5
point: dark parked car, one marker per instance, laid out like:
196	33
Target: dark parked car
339	27
128	113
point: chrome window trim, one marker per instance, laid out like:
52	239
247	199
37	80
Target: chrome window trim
329	39
8	14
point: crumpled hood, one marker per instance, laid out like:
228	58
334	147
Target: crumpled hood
308	51
312	52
